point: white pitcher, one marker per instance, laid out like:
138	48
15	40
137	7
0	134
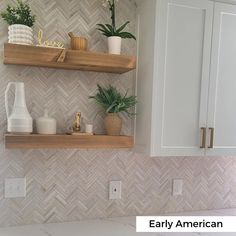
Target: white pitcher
19	121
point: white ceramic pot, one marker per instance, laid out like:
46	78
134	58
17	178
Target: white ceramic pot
46	124
114	45
20	34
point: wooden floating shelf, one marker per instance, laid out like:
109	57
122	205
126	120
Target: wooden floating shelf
67	59
63	141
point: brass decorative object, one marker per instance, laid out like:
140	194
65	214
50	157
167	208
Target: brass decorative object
76	127
48	43
77	123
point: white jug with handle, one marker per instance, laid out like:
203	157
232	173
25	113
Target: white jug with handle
19	121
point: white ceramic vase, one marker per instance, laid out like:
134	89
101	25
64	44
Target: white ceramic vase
114	45
20	34
18	119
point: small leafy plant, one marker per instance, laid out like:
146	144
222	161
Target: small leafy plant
19	14
110	29
111	100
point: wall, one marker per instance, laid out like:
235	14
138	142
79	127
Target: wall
69	185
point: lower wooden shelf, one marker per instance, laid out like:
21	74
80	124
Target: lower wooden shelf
63	141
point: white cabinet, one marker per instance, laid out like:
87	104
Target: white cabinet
186	78
222	96
173	83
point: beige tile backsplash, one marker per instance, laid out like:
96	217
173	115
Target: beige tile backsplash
69	185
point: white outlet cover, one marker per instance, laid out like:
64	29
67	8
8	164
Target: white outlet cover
177	187
15	187
115	190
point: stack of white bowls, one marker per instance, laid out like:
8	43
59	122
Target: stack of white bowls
20	34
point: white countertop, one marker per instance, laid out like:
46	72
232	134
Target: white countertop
121	226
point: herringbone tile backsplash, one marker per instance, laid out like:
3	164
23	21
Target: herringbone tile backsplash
69	185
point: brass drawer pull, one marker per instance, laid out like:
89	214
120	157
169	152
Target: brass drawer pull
204	131
212	130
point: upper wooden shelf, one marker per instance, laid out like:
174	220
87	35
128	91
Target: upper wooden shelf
67	59
63	141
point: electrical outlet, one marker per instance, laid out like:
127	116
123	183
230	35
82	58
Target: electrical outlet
115	190
15	187
177	187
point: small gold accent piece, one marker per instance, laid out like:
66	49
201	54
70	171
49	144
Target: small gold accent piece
77	123
48	43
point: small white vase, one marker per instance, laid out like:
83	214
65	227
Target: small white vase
20	34
114	45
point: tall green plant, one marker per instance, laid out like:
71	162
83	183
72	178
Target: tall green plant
110	29
112	101
19	14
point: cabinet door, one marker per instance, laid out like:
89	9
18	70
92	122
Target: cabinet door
183	64
222	97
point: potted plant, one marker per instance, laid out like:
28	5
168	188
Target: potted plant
20	21
113	102
113	33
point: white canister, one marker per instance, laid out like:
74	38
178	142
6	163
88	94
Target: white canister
46	124
88	128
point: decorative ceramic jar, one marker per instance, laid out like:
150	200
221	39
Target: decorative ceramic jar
20	34
114	45
113	124
46	124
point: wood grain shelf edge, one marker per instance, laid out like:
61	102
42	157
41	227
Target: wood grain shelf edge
63	141
26	55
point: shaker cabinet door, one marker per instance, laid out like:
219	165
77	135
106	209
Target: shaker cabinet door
222	97
183	64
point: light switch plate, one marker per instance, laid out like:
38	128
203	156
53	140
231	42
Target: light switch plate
115	190
15	187
177	187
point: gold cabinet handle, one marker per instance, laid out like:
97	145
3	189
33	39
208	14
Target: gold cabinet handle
204	131
212	131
